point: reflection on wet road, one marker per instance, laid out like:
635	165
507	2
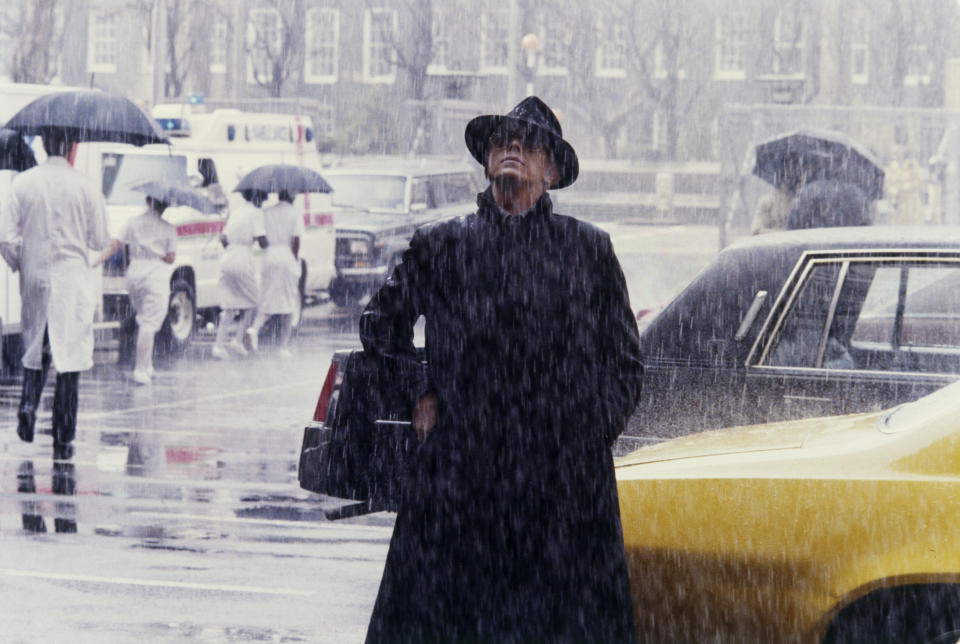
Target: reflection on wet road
180	516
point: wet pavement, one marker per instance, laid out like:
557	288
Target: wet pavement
180	517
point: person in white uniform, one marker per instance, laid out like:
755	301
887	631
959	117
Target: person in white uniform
55	217
239	287
152	247
280	273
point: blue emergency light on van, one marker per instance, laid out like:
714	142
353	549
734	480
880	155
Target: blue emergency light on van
175	126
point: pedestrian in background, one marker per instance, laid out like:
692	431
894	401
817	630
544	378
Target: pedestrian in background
239	288
774	208
829	202
509	526
151	245
280	272
54	218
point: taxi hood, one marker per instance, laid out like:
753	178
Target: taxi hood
786	435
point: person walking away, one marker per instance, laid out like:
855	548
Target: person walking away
280	273
151	244
239	289
829	202
773	208
54	217
508	528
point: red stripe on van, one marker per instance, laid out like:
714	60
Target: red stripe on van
317	219
200	228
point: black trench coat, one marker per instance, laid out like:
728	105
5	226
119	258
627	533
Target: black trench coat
509	528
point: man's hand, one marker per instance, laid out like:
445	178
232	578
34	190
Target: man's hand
425	415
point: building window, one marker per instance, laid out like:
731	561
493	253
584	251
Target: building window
263	43
859	51
660	69
102	42
322	46
379	34
611	48
731	40
918	65
323	123
553	58
788	43
219	42
440	34
494	41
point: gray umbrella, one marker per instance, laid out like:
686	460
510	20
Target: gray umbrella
821	154
88	115
15	154
276	178
176	195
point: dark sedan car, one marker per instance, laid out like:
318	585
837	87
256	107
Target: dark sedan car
805	323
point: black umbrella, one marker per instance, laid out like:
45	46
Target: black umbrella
820	154
276	178
15	154
176	195
88	115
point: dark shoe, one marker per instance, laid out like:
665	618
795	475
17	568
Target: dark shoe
62	451
25	422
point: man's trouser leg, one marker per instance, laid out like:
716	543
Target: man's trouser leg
65	412
33	381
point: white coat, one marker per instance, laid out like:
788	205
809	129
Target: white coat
239	288
280	289
56	216
149	239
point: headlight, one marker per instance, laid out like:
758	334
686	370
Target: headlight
358	247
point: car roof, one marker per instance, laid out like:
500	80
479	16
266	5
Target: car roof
399	166
855	238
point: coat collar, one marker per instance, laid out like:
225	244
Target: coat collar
491	211
59	162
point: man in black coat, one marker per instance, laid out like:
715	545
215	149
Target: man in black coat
509	528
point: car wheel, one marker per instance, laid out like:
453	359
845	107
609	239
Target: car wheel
177	331
919	613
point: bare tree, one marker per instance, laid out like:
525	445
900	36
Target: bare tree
653	48
276	44
413	53
916	39
35	28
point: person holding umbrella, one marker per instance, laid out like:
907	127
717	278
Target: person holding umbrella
151	246
55	216
239	290
280	272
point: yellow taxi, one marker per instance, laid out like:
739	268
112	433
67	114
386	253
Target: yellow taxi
841	529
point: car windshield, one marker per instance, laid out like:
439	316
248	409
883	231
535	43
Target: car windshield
368	191
919	413
121	172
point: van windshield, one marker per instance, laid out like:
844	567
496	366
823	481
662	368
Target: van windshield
121	172
368	191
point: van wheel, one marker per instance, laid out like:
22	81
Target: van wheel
177	331
915	613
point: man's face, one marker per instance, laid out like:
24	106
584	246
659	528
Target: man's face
521	155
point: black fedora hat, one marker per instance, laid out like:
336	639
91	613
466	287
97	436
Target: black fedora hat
530	112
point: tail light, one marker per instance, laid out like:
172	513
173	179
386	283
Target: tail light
334	377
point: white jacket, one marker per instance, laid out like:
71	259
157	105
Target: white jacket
56	215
